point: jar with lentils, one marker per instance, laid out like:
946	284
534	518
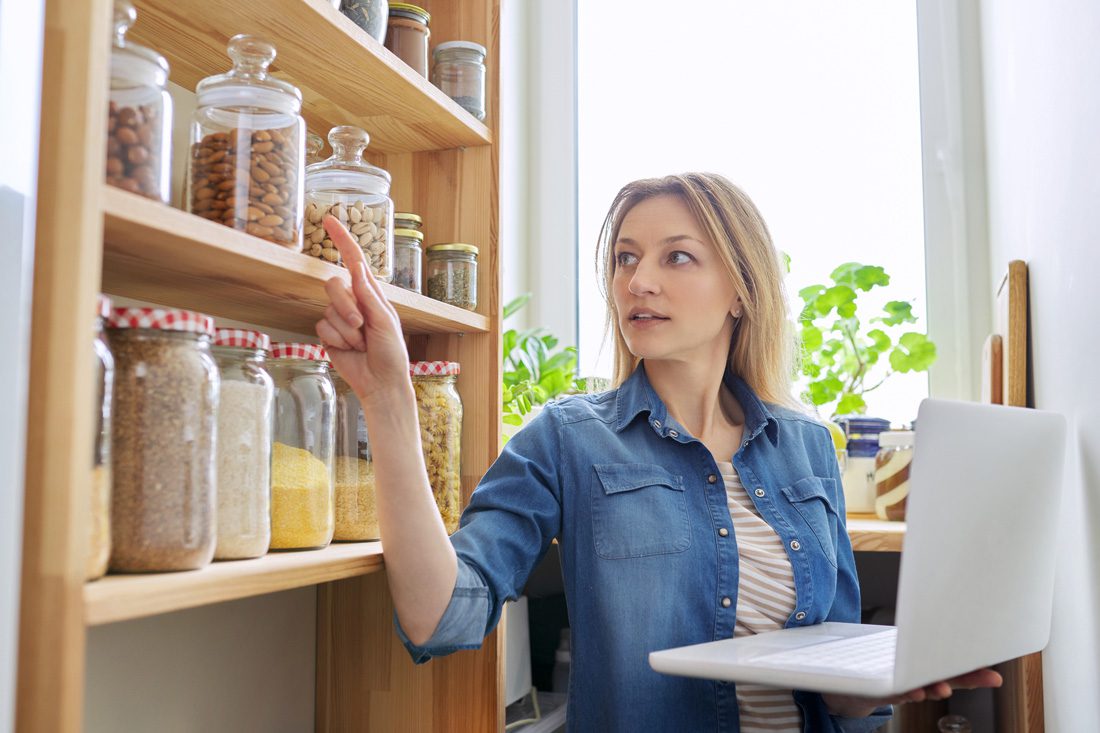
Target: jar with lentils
355	192
99	526
302	467
162	440
247	148
439	408
244	444
356	511
139	117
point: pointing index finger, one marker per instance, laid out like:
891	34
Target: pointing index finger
371	299
346	244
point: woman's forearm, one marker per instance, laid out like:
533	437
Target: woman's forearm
421	565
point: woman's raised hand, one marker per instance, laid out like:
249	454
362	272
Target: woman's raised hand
860	707
361	330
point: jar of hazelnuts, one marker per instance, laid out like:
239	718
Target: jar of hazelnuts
139	120
248	147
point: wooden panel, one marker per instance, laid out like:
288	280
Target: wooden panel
1011	318
870	534
1019	700
160	254
124	597
60	433
346	77
992	369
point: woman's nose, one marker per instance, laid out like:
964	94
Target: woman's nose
645	280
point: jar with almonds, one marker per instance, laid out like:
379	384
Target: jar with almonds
247	148
139	116
355	192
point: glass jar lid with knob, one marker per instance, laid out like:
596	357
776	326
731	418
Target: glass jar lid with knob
138	65
248	83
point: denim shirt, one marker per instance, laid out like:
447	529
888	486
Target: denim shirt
637	504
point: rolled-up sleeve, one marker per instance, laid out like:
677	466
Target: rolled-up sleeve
513	516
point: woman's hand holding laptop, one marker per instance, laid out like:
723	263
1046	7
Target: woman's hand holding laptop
851	706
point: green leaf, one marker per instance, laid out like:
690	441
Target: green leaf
897	312
851	404
880	339
914	353
833	297
811	292
846	310
825	390
515	304
811	337
512	419
786	261
549	342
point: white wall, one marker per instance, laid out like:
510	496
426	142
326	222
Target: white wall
1042	111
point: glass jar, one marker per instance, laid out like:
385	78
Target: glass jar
440	411
99	526
370	15
407	259
314	145
247	143
355	192
139	116
858	477
356	511
892	463
458	69
404	220
162	440
407	35
302	455
243	447
452	274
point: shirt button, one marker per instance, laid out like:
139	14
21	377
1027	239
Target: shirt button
800	616
723	532
656	423
673	434
760	492
712	479
726	603
795	545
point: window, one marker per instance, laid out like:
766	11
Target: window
813	109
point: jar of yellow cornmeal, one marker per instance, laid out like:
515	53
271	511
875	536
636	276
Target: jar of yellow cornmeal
302	467
440	410
356	513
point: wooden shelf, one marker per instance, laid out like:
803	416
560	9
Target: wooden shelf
346	77
157	253
871	534
125	597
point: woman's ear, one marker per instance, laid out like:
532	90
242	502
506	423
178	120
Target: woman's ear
736	310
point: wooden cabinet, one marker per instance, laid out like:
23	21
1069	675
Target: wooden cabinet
90	237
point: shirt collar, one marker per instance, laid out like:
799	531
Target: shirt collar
636	395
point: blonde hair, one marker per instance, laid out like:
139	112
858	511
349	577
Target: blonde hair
762	348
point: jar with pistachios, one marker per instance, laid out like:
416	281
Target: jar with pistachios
355	192
440	411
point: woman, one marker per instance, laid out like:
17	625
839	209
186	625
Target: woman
693	502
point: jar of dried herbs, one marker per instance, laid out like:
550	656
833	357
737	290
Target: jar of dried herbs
99	526
452	274
302	467
356	511
244	444
440	411
162	440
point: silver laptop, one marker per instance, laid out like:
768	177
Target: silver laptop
977	571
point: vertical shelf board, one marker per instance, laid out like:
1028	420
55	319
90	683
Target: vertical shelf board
59	430
366	680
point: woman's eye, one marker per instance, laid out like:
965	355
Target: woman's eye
679	258
625	259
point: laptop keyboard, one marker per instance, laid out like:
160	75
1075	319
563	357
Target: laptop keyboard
871	655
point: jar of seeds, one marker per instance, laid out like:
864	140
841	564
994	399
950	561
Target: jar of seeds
355	192
407	259
452	274
302	514
162	440
247	144
356	512
244	444
440	411
99	528
139	118
459	72
370	15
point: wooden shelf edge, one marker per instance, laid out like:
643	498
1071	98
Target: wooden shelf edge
126	597
160	254
870	534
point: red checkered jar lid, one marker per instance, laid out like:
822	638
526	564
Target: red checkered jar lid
242	339
103	307
161	319
434	368
287	350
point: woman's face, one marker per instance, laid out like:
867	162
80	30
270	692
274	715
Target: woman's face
673	295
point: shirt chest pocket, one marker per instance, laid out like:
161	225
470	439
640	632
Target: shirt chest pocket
638	509
812	501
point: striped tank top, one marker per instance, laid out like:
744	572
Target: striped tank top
765	600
